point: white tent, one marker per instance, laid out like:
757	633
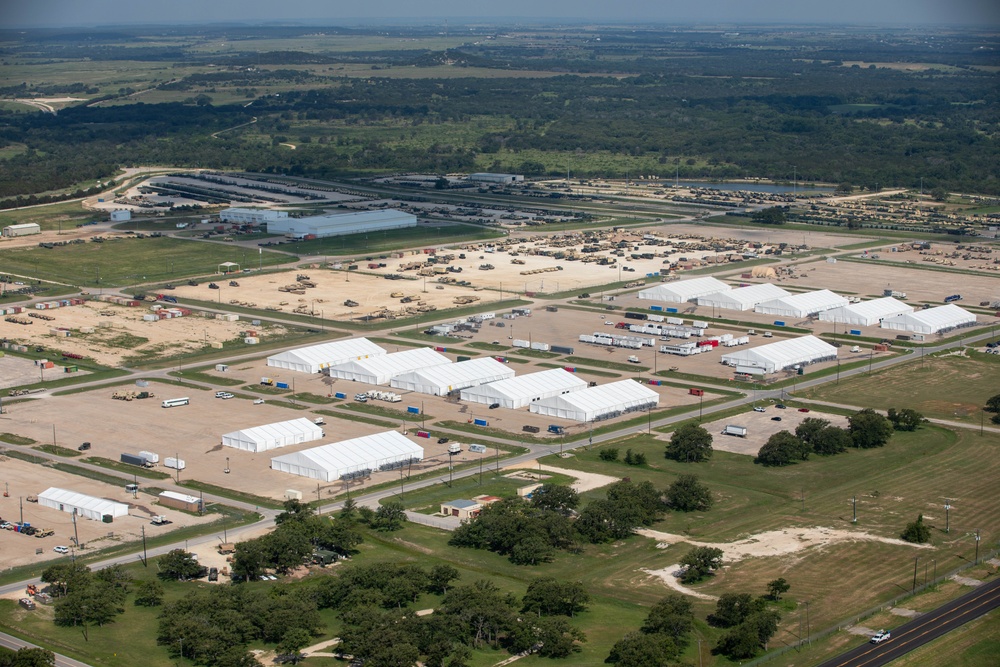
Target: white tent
315	358
520	391
272	436
783	354
684	290
439	380
743	298
802	305
369	453
932	320
866	313
597	403
88	507
381	369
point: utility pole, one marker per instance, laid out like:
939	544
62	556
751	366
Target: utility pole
915	558
76	534
947	516
855	502
145	562
177	470
977	546
319	500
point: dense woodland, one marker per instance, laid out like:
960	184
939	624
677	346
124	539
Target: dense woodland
693	103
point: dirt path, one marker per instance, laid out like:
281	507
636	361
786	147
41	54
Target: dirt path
585	481
670	576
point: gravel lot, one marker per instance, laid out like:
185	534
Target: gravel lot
760	428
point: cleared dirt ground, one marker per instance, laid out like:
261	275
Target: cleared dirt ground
15	371
760	427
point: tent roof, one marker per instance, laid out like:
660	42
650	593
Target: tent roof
940	317
874	309
595	399
74	499
395	362
532	384
784	352
333	352
750	295
685	289
810	302
353	453
463	371
269	432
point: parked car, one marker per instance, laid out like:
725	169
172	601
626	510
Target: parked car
780	406
776	419
224	395
494	406
441	441
61	550
759	409
258	401
803	409
880	636
84	446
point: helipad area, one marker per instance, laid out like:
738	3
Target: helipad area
362	455
273	436
866	313
315	358
521	391
381	369
932	320
743	298
802	305
596	403
439	380
684	290
783	354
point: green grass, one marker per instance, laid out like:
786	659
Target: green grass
431	497
125	468
307	397
382	411
583	371
601	363
24	456
393	239
53	217
489	347
200	375
232	494
113	480
14	439
537	354
58	451
126	261
359	418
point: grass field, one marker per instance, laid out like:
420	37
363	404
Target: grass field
392	239
51	217
129	261
941	387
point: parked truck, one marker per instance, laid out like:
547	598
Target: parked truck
151	457
135	460
739	431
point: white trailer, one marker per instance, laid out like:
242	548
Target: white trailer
151	457
175	463
739	431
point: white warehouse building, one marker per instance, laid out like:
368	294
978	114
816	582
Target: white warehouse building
784	354
314	358
340	224
802	305
381	369
500	179
273	436
684	290
370	453
521	391
23	229
598	403
255	216
932	320
440	380
743	298
80	504
866	313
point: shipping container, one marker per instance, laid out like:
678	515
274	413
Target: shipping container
133	459
171	462
479	422
413	410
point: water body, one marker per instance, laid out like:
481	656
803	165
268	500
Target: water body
769	188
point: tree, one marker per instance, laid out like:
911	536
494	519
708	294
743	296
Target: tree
237	657
66	577
27	657
916	531
441	577
673	616
700	562
292	642
634	458
638	649
939	194
776	588
775	215
906	419
555	498
609	454
690	443
809	429
117	576
687	494
295	510
750	636
249	560
389	517
558	639
149	593
781	449
831	440
993	404
734	608
869	429
844	189
547	596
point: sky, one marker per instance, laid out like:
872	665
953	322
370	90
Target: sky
80	13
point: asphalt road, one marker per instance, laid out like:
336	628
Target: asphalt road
922	629
13	643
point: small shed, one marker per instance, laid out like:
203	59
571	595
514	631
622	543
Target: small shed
463	509
180	501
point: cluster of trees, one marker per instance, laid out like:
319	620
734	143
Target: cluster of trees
774	215
26	657
866	429
749	621
690	443
917	531
631	458
993	405
84	598
663	636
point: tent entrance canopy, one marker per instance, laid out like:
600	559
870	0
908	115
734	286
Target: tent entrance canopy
229	267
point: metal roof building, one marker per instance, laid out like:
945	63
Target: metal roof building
802	305
521	391
80	504
743	298
251	215
273	436
340	224
315	358
866	313
684	290
381	369
932	320
357	456
774	357
598	403
439	380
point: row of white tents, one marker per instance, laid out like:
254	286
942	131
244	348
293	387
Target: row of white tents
778	356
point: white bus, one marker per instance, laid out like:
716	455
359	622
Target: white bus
174	402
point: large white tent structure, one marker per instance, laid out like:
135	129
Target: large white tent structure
356	456
314	358
80	504
683	290
381	369
866	313
338	224
521	391
597	403
743	298
440	380
273	436
802	305
783	354
932	320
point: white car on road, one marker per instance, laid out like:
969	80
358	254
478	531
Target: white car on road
881	636
61	550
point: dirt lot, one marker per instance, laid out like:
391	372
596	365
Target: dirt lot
15	371
770	235
128	334
26	479
760	428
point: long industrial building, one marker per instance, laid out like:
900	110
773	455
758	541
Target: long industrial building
781	355
273	436
684	290
866	313
598	403
381	369
440	380
357	456
802	305
340	224
253	216
89	507
524	390
743	298
314	358
931	321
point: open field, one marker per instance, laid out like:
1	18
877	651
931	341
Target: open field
54	217
15	371
760	427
